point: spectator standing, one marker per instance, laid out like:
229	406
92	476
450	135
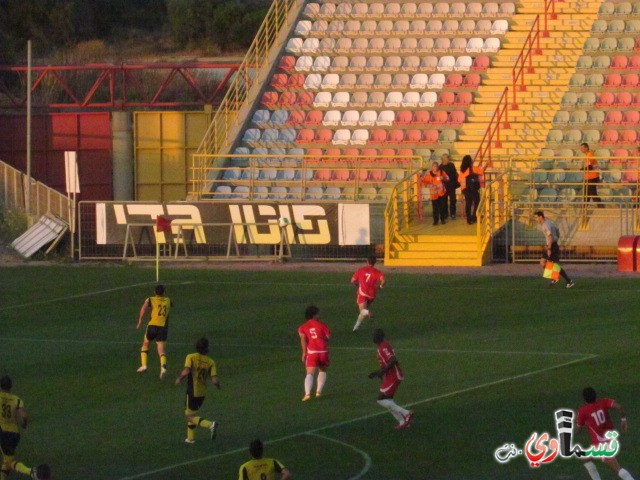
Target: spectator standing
450	185
591	176
435	180
470	181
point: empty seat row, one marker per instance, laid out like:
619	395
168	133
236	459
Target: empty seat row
615	26
362	10
610	80
605	62
611	44
394	99
619	8
349	118
606	137
568	158
344	45
362	136
367	81
356	28
392	63
299	193
602	100
597	117
295	157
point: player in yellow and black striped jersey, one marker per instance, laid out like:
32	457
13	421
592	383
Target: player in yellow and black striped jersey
260	468
13	417
157	328
198	368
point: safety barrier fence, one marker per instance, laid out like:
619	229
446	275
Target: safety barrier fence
279	18
42	199
299	177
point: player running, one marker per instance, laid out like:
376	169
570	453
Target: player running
391	375
157	328
314	335
367	280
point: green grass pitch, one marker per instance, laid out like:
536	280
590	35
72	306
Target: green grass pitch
487	360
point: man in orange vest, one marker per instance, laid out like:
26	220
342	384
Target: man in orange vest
435	179
591	176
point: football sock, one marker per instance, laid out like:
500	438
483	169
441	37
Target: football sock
308	383
593	471
201	422
357	325
393	409
191	431
163	361
143	357
322	378
21	468
624	474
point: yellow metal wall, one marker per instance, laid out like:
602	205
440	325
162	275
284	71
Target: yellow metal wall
163	145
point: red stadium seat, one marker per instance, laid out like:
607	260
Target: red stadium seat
630	80
481	63
453	80
430	136
279	81
631	117
323	136
609	137
295	118
619	62
304	100
471	80
403	117
287	99
269	99
613	117
463	99
438	117
313	118
421	117
456	118
287	63
413	136
612	80
605	99
395	136
295	81
628	137
378	136
623	99
446	99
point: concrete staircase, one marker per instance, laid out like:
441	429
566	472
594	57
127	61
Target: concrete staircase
553	68
457	244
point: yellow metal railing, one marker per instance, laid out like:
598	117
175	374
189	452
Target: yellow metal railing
42	199
226	118
404	208
304	177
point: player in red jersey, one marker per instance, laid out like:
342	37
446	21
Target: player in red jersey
594	415
367	280
391	375
314	335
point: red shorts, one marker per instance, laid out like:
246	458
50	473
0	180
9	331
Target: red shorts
317	360
362	299
390	384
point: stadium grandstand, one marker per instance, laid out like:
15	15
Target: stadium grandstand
341	104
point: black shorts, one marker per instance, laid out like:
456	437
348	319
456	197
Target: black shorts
9	442
555	253
194	403
159	334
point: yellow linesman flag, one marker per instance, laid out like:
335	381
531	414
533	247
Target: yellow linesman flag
552	270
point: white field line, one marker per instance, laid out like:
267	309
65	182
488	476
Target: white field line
297	347
366	417
363	454
83	295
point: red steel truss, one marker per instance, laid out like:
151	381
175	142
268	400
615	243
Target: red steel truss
104	86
